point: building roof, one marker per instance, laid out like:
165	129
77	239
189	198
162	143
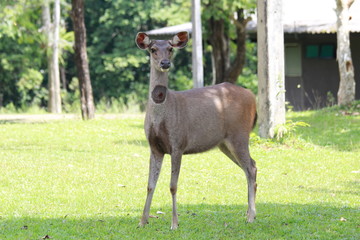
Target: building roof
314	16
299	16
165	32
171	29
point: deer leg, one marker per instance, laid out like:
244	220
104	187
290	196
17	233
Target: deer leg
249	167
251	172
228	153
238	151
175	171
154	172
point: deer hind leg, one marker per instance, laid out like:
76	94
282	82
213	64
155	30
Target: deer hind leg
156	160
175	171
238	151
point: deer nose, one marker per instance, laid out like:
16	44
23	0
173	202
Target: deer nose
165	64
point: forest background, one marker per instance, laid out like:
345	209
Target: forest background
119	71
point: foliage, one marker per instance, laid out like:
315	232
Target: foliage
70	179
352	108
119	71
19	51
23	68
248	78
30	87
171	12
225	33
118	68
288	129
70	98
223	9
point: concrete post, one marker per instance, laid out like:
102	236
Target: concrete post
270	37
197	53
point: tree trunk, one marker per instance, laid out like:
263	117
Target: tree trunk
81	60
219	41
48	39
46	18
223	69
52	52
55	82
63	78
270	37
239	62
346	93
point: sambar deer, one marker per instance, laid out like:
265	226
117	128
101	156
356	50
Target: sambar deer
193	121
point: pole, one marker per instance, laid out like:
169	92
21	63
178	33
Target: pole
270	37
197	53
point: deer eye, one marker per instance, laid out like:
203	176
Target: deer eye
152	50
171	50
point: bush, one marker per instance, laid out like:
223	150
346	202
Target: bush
287	130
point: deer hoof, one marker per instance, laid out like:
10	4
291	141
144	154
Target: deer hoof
251	215
174	227
250	220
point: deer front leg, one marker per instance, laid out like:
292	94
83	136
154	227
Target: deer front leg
175	171
156	160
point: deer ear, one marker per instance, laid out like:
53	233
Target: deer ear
142	40
180	40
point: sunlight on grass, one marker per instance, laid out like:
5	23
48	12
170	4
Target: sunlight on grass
71	179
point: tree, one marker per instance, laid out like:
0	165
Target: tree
271	94
81	60
346	93
51	31
226	24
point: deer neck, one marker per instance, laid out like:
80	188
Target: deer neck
158	86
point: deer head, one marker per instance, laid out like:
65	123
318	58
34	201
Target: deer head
161	50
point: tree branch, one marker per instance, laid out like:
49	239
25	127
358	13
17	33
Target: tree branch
242	23
350	2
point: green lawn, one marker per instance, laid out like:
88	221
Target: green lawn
71	179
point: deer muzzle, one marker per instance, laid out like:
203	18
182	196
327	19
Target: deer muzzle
165	65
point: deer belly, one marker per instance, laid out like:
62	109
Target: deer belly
201	141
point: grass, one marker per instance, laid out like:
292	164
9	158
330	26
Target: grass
71	179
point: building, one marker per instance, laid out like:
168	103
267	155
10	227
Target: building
311	69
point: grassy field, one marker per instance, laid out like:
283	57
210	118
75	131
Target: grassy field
71	179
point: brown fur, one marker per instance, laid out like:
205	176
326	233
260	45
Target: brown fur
194	121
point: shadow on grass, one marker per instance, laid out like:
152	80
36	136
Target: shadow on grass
331	129
202	221
353	186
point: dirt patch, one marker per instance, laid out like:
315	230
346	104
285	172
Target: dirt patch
36	117
29	118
